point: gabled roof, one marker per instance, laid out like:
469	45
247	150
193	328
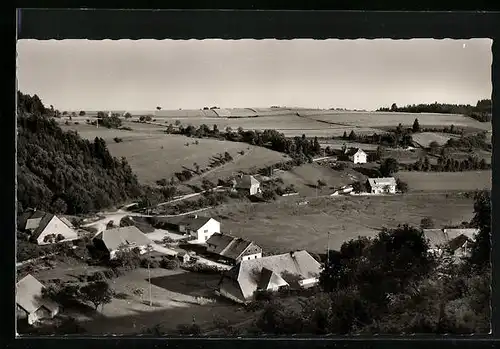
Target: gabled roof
246	182
248	273
29	295
382	182
459	241
229	246
42	224
130	235
353	151
442	237
220	241
195	223
269	279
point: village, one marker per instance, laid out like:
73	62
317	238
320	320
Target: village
294	187
193	242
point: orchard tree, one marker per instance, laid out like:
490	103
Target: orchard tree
97	292
416	126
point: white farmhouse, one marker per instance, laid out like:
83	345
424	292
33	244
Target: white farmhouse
46	228
201	228
381	185
356	155
248	184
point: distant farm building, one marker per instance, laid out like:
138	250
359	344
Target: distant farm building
30	304
455	241
233	249
46	228
184	257
248	184
356	155
381	185
126	238
294	270
199	228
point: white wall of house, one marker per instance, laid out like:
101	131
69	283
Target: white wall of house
252	256
206	231
359	158
254	189
56	227
381	190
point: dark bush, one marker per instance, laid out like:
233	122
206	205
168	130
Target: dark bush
168	263
118	139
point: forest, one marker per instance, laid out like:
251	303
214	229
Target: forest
60	172
482	111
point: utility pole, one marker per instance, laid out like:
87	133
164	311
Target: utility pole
150	293
328	249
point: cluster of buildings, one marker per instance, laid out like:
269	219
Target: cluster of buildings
250	271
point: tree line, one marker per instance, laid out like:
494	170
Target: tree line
448	164
482	111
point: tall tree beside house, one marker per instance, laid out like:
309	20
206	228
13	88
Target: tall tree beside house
481	248
416	126
394	107
389	167
82	113
316	145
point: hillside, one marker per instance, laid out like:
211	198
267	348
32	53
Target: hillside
60	172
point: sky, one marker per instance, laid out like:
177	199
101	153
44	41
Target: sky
191	74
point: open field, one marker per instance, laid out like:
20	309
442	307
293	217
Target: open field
378	119
174	302
291	125
253	159
479	153
306	176
287	226
424	139
178	296
153	154
446	181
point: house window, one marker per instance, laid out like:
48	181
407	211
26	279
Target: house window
205	231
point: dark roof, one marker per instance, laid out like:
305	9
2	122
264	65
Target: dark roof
229	246
43	224
458	242
352	151
246	182
220	241
236	248
195	223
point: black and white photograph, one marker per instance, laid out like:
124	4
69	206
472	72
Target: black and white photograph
246	188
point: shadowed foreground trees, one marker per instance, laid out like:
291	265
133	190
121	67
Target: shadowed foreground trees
392	284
